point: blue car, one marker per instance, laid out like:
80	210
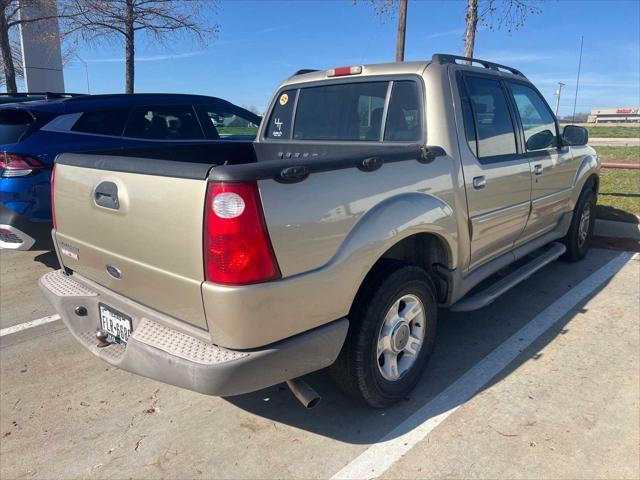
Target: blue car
33	133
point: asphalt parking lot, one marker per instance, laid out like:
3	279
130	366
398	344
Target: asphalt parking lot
544	383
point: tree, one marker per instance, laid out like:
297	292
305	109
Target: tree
387	8
120	20
495	15
9	47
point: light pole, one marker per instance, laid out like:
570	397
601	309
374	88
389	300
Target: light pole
575	100
86	71
558	93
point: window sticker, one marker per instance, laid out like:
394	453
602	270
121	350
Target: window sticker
277	132
279	126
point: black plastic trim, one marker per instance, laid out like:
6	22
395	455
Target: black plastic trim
290	170
143	166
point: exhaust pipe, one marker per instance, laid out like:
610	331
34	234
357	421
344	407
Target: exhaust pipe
304	393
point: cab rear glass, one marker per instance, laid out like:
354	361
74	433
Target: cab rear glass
374	111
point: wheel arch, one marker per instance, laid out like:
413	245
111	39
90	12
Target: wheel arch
424	249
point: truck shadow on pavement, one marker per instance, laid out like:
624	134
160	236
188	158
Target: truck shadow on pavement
464	339
48	259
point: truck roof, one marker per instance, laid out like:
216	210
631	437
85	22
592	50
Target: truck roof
372	69
404	68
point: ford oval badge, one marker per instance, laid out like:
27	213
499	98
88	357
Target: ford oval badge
114	272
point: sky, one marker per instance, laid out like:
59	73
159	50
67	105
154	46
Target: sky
262	42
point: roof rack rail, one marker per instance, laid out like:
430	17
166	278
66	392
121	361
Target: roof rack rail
47	95
305	70
443	58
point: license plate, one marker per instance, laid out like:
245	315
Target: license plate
115	323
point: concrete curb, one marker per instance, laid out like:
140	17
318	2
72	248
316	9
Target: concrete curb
609	228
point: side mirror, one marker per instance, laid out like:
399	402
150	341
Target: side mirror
540	140
575	136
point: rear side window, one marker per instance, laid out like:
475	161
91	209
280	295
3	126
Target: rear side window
538	123
404	122
166	122
344	112
494	128
102	122
13	125
279	126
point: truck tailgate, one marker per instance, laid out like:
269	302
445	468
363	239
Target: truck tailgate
143	225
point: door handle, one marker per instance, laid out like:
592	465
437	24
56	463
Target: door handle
106	195
537	169
479	182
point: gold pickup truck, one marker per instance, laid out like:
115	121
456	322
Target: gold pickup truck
372	196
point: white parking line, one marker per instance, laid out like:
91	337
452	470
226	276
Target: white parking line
26	325
377	459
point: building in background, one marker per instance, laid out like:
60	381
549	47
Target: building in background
614	115
41	52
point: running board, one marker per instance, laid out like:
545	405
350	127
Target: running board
487	296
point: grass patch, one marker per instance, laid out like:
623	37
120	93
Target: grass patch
619	154
613	132
242	131
619	197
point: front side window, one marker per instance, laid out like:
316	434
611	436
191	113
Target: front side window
343	112
228	125
493	126
404	122
166	122
102	122
537	121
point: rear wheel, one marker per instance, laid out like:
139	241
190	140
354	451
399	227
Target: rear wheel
578	238
392	332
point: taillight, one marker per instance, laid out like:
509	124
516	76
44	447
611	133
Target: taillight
344	71
15	165
53	205
237	248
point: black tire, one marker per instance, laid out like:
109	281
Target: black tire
577	244
356	370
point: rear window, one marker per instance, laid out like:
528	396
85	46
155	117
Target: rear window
102	122
13	125
351	111
404	120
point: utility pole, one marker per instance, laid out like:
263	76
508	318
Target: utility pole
558	93
575	100
402	30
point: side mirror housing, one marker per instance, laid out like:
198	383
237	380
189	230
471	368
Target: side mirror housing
575	136
540	140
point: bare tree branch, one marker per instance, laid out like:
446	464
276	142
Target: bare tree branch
121	20
496	15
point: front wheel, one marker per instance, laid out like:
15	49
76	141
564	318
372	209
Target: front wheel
578	238
392	332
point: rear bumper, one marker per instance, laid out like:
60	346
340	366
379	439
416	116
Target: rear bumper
21	233
163	353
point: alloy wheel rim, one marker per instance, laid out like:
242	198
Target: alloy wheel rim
585	220
400	337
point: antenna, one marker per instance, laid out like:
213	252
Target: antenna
575	100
